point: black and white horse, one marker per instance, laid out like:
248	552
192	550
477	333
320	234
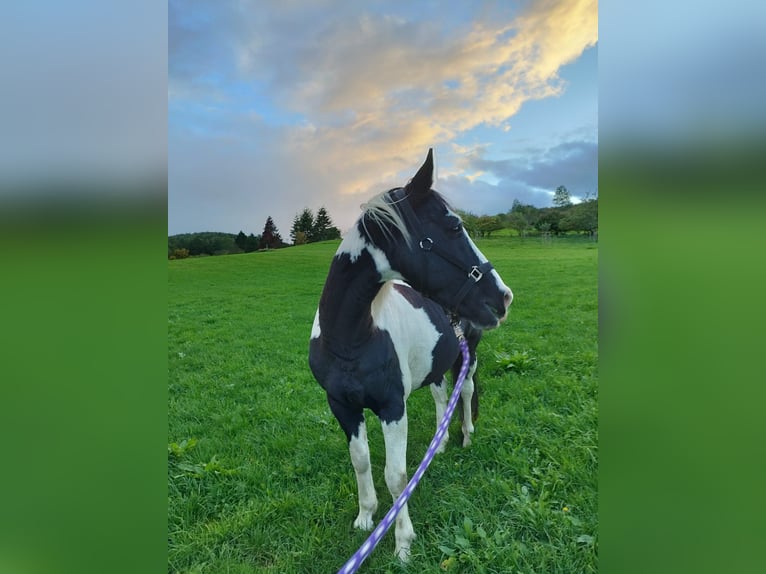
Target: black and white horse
383	327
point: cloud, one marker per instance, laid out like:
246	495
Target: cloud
365	90
570	163
530	177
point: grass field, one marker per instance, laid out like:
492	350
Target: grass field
259	476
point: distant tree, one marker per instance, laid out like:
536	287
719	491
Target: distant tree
582	217
529	211
204	243
252	243
323	227
523	217
303	224
503	219
300	238
197	246
241	240
270	238
487	224
561	197
548	220
181	253
517	221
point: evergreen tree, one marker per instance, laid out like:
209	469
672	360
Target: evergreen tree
303	226
252	242
241	241
323	227
270	238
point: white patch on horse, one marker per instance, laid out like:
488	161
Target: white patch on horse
316	332
382	265
353	244
412	333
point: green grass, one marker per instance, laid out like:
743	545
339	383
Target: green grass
259	476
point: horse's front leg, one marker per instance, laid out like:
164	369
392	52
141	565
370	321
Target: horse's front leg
395	436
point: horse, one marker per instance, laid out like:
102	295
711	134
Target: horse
403	275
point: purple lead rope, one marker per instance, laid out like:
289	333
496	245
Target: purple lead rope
366	549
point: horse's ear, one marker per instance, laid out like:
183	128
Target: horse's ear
424	179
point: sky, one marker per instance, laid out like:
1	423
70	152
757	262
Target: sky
278	106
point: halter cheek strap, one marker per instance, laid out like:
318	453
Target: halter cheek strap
428	245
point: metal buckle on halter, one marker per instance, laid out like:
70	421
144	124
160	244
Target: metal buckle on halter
475	274
427	246
457	327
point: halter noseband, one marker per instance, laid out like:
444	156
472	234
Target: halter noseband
427	245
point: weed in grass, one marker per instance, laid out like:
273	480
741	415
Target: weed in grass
518	361
199	470
179	449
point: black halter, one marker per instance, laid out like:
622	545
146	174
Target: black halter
427	245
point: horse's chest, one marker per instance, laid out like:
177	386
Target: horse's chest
411	344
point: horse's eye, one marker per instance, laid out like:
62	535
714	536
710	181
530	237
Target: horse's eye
458	228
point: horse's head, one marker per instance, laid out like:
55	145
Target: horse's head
424	241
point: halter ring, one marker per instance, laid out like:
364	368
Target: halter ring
475	274
427	244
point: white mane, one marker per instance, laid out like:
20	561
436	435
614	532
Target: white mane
382	210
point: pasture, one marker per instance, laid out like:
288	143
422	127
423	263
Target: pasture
259	475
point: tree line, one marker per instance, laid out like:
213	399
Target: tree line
563	217
307	228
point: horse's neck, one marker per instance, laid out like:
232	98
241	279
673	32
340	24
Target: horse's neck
345	306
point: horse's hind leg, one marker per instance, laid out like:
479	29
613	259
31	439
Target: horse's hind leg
352	423
360	459
467	396
439	392
395	436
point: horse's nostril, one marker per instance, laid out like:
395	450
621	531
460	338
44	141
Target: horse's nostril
508	297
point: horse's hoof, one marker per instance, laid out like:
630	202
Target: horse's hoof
442	445
364	523
403	553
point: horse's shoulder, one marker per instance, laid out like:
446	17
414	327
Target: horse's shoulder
400	297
